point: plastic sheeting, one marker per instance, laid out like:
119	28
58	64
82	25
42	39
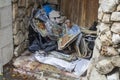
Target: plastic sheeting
77	67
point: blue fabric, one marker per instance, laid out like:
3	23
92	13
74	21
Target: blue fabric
47	9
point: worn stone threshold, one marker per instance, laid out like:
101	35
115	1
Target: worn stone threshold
33	70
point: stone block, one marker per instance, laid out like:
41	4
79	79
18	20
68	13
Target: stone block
104	66
116	38
106	38
115	16
22	27
116	61
118	7
98	44
22	3
96	53
102	27
106	18
29	3
19	38
6	36
15	11
5	16
29	10
100	15
94	75
116	28
16	27
4	3
19	49
26	35
21	13
114	75
100	1
7	53
26	22
109	6
109	51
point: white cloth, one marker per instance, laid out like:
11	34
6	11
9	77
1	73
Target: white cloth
78	67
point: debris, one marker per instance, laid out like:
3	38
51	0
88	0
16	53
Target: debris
50	34
78	67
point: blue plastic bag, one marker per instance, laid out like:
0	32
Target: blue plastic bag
47	9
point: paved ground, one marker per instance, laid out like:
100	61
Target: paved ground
50	73
9	74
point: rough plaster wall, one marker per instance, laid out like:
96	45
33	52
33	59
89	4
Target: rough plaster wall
6	37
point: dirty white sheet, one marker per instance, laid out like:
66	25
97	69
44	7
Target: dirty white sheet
77	67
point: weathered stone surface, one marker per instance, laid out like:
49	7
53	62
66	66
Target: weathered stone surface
15	11
16	27
113	76
19	38
21	3
98	44
118	50
19	62
94	75
118	7
104	66
112	51
106	18
21	12
116	61
105	40
109	51
116	28
26	35
108	34
29	11
96	53
109	5
18	50
102	27
22	27
100	1
26	22
115	16
100	15
29	3
116	38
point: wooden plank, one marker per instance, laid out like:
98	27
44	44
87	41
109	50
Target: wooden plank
82	12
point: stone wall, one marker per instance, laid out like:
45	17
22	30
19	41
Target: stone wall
106	56
21	14
6	37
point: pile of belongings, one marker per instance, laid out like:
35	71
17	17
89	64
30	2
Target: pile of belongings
53	37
